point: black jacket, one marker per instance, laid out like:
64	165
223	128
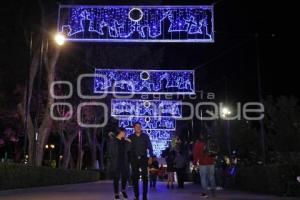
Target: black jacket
140	145
113	154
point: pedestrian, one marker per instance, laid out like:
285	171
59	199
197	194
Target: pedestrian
206	163
153	169
161	172
140	143
220	172
119	162
170	160
180	164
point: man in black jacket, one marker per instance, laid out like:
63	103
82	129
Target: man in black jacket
140	143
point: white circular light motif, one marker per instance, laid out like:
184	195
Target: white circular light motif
147	119
144	75
135	14
147	104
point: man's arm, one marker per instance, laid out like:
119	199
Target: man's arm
110	148
195	154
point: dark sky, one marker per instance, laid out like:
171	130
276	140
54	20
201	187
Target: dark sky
245	31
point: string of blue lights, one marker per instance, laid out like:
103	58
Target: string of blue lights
152	24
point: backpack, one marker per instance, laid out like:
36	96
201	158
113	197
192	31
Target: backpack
211	148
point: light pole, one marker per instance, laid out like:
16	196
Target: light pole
260	97
52	146
225	112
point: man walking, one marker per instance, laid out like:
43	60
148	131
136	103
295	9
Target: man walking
139	159
206	162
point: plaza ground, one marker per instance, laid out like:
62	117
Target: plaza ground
103	191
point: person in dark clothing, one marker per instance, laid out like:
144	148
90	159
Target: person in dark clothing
140	143
119	161
170	169
154	169
180	169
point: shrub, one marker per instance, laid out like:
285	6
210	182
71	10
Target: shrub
21	176
272	179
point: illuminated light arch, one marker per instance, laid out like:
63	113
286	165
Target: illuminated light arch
137	108
157	117
155	23
160	139
157	82
149	123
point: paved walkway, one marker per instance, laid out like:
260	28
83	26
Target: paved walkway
103	191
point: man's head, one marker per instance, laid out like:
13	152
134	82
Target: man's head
137	128
202	137
154	158
121	133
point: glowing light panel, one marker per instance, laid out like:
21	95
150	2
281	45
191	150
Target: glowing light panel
160	139
144	81
157	123
144	108
137	23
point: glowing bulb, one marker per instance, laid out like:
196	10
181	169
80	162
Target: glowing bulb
225	112
60	39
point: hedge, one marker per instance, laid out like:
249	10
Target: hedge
273	179
14	176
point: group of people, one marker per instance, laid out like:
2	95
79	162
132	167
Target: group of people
126	153
128	157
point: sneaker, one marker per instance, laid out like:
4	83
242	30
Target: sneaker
219	188
204	195
124	195
117	197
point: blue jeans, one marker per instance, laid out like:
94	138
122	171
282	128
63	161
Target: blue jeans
153	180
207	175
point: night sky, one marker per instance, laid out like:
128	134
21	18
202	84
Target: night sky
246	31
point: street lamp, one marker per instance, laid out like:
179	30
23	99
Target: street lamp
60	39
225	112
51	147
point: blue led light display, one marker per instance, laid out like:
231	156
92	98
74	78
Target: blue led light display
160	139
155	117
137	24
144	81
144	108
157	123
159	146
155	134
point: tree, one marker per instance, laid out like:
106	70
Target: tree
283	124
39	124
